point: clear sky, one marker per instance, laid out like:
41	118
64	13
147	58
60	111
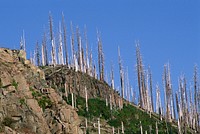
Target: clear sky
168	30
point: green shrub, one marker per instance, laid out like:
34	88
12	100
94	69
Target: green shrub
98	108
44	102
7	121
15	84
22	101
36	94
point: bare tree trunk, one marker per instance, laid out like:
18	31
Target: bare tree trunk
72	99
168	91
66	92
45	54
99	129
100	59
65	39
86	99
141	130
87	53
196	97
110	98
122	127
113	130
91	65
112	78
60	50
140	74
121	74
53	51
156	127
22	42
151	89
72	46
86	124
158	102
79	50
37	54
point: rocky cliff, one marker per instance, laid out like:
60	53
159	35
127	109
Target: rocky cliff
27	103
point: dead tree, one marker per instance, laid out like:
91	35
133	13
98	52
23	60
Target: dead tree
112	78
79	57
72	47
110	101
53	47
156	127
65	39
173	107
60	49
179	114
83	61
141	129
121	74
33	59
128	89
100	58
151	88
37	54
196	98
168	91
138	58
142	85
158	102
88	69
147	96
183	104
99	126
122	124
91	65
22	42
191	107
86	99
44	46
43	57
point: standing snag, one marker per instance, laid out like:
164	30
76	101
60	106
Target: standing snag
53	45
121	74
65	39
22	42
60	49
100	58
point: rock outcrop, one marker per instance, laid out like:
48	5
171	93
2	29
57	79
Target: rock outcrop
27	103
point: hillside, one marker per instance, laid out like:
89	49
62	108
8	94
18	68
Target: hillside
101	97
28	105
53	100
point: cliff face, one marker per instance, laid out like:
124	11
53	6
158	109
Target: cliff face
27	103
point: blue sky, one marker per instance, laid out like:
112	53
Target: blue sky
168	30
